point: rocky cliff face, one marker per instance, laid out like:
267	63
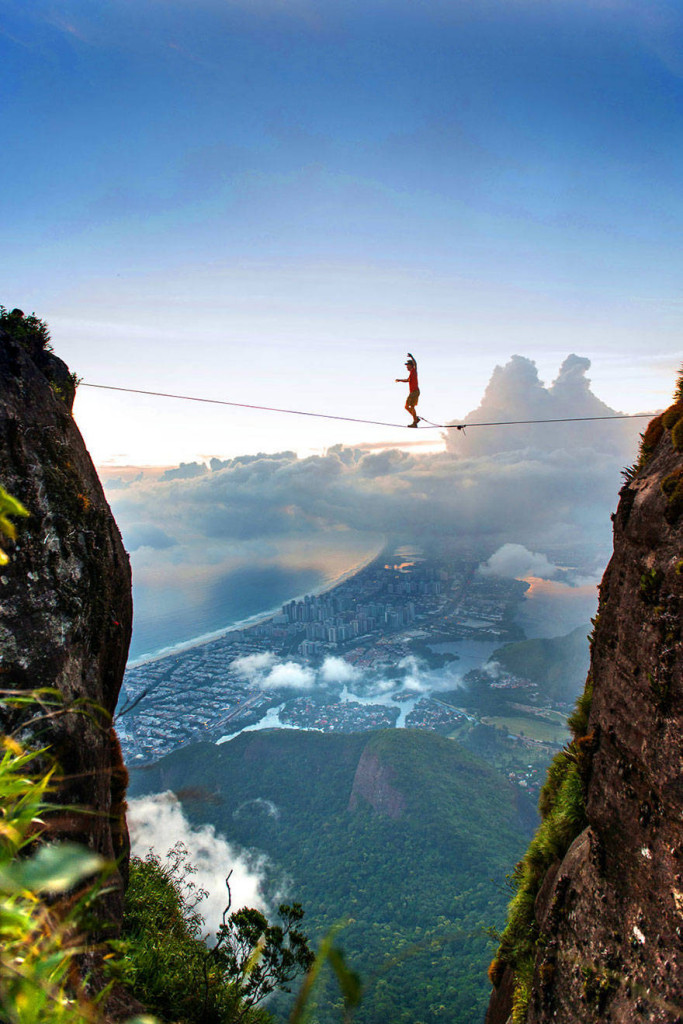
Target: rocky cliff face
607	922
65	600
374	783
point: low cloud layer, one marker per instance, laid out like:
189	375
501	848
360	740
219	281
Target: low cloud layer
147	535
410	675
157	823
289	675
414	678
266	671
336	670
252	667
514	561
269	673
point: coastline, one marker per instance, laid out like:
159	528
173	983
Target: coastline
257	619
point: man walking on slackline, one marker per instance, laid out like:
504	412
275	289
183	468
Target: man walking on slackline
413	389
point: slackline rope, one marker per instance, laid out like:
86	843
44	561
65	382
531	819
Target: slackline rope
428	425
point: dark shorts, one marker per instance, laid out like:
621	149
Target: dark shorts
412	398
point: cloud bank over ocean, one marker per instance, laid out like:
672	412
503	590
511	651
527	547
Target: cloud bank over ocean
516	498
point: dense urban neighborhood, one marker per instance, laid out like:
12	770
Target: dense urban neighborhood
357	657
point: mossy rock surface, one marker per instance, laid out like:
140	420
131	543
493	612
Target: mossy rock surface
677	435
672	415
653	432
672	488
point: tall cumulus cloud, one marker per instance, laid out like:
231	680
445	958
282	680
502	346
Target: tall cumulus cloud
515	392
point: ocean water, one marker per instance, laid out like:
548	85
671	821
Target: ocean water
166	618
173	609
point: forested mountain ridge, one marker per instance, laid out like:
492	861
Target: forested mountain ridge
401	832
594	930
559	664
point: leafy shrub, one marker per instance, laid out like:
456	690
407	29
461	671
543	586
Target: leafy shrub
34	337
649	440
496	971
599	985
563	813
629	473
262	957
162	956
30	332
65	389
578	720
677	435
678	393
671	419
555	775
670	482
672	415
521	999
41	938
672	487
9	507
171	970
650	585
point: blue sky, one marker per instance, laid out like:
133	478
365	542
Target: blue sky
271	201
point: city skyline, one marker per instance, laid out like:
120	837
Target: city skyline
337	660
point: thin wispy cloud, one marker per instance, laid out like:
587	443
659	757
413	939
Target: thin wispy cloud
187	55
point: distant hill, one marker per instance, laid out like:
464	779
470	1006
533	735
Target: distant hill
401	831
558	665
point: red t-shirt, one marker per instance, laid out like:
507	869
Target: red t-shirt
412	379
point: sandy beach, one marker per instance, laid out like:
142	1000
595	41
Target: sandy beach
260	617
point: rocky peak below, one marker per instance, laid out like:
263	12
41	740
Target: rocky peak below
374	783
